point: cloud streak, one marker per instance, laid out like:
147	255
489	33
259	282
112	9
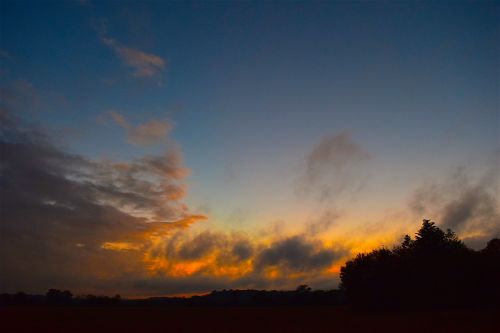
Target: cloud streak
141	63
149	133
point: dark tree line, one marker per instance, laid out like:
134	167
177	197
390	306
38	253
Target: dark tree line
58	297
302	296
435	269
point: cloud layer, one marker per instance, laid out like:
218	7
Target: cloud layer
58	208
107	226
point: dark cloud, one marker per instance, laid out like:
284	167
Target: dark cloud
58	209
200	245
296	254
242	249
333	167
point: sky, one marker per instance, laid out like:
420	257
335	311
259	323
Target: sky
172	148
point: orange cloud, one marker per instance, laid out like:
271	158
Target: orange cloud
120	246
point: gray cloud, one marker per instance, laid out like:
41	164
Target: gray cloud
333	167
468	207
474	204
242	249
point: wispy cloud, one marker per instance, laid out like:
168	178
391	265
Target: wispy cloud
334	166
296	254
142	64
148	133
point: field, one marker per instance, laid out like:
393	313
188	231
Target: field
241	319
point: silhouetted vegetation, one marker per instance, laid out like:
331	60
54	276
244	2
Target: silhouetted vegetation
435	269
58	297
302	296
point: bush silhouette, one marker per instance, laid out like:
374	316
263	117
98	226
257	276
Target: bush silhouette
435	269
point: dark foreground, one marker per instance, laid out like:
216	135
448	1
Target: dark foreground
241	319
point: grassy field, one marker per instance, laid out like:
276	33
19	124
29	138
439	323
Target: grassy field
241	319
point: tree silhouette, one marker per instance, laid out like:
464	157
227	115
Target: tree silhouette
493	247
436	269
303	288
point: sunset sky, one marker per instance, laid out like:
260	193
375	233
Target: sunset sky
162	148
